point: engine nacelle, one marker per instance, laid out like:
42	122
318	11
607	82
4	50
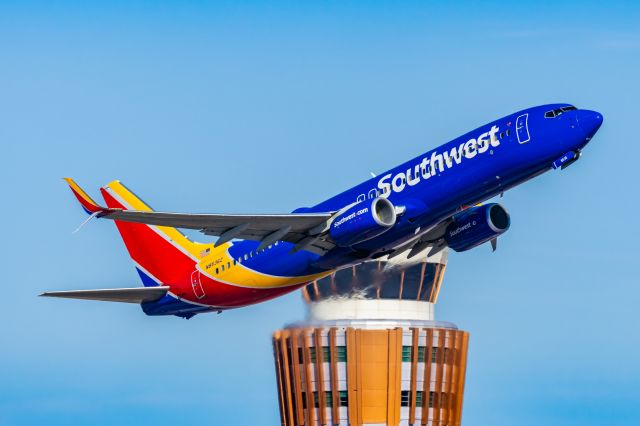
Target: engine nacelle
363	221
476	226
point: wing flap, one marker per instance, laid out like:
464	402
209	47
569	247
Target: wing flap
125	295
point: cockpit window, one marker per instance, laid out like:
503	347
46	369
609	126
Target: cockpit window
557	112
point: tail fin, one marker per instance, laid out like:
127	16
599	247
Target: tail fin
163	255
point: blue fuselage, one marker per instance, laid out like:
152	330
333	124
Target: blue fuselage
436	185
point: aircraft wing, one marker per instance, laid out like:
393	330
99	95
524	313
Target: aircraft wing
433	240
266	228
302	229
127	295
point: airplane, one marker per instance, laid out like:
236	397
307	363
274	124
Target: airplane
430	202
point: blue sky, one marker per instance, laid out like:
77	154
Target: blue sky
248	107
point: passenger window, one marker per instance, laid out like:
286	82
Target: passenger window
222	268
507	132
217	271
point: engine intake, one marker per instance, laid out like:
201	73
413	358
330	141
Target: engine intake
363	221
476	226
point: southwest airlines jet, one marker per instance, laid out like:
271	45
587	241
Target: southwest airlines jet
427	203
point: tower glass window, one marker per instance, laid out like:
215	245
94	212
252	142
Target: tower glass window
404	398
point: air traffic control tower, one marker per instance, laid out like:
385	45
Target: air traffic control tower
370	351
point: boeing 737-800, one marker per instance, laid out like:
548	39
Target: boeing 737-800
422	204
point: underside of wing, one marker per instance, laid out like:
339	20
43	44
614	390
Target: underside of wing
432	240
306	230
126	295
295	228
216	224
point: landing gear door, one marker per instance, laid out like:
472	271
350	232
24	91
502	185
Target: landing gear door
522	128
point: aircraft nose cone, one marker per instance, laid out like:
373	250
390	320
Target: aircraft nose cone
589	122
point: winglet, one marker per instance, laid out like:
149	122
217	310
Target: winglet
89	206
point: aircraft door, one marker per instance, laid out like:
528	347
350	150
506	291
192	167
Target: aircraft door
196	284
522	128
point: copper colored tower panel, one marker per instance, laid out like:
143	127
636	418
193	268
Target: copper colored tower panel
370	351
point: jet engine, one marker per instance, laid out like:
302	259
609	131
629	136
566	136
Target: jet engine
476	226
363	221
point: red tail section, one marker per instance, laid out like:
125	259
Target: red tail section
163	255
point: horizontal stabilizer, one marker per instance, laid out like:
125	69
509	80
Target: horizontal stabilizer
126	295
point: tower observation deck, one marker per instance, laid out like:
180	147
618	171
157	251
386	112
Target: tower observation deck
370	351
